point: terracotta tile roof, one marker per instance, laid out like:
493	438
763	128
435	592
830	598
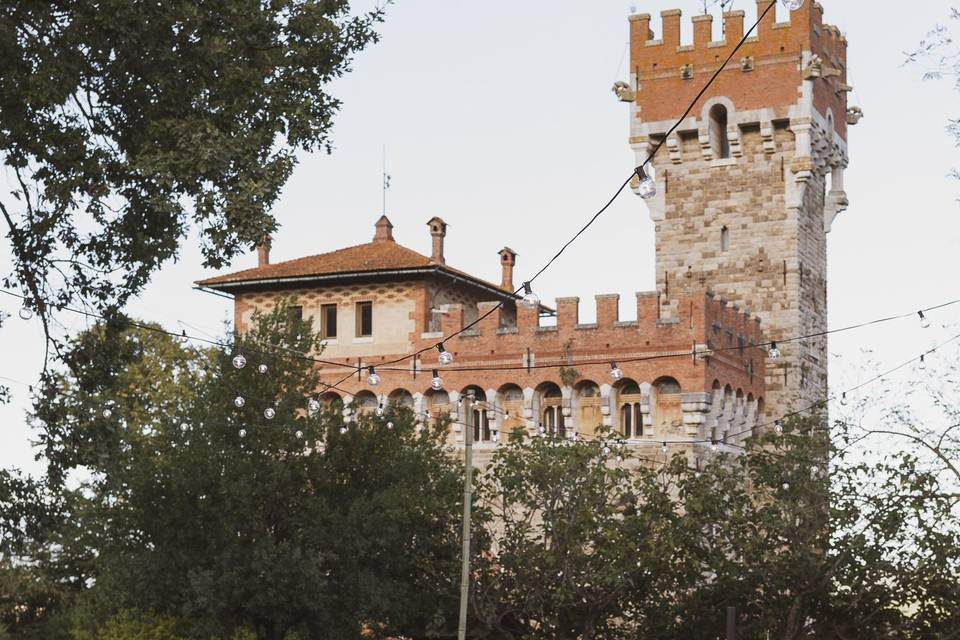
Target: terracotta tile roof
370	258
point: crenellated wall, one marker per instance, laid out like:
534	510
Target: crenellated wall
696	340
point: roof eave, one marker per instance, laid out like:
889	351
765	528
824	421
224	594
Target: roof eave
300	280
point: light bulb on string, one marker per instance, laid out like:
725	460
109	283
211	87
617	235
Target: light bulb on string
615	372
664	448
774	351
373	378
26	313
792	5
238	402
107	412
184	427
262	368
243	433
646	186
313	406
778	427
269	413
343	430
437	382
380	409
713	446
299	435
389	425
923	363
530	299
843	399
446	358
924	320
239	361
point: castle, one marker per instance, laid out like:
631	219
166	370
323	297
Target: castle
742	213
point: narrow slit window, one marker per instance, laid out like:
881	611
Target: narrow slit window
724	239
719	142
328	321
364	319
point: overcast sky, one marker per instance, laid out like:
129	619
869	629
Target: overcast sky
498	117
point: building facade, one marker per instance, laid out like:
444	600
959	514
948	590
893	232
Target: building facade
741	214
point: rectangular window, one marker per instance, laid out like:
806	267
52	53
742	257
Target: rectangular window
328	321
364	319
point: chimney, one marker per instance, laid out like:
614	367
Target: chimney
508	259
438	229
384	230
263	251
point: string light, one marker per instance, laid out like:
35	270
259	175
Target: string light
299	435
924	320
446	358
774	351
262	368
239	361
778	428
843	399
373	378
437	383
664	448
792	5
239	401
313	406
269	413
184	427
380	409
713	446
389	425
646	187
107	413
343	430
923	363
530	299
243	433
26	313
615	372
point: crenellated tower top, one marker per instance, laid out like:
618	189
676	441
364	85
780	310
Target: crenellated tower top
778	57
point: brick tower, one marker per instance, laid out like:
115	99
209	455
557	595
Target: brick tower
751	182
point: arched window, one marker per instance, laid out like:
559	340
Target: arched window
668	410
628	408
588	407
551	409
475	401
332	400
510	399
437	402
366	402
401	398
719	142
724	239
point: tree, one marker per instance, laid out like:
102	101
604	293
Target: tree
940	58
124	124
224	519
805	540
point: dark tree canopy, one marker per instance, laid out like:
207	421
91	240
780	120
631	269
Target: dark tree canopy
124	124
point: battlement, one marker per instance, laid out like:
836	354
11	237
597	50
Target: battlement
692	318
767	73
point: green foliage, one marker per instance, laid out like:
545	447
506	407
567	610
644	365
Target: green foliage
124	123
804	543
130	625
224	520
